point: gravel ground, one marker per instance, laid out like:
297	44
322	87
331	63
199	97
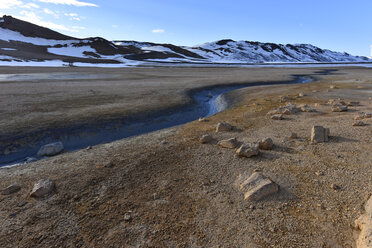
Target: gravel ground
165	189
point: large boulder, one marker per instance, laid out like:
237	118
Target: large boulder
42	188
248	150
257	186
319	134
364	224
229	143
50	149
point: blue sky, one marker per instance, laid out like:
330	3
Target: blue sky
336	25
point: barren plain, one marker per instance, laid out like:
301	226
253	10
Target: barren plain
166	189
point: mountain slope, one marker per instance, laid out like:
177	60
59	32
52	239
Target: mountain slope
21	41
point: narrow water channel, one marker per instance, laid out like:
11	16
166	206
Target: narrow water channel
206	102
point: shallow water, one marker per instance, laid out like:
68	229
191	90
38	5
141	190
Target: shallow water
206	102
51	76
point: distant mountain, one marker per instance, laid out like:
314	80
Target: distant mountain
24	42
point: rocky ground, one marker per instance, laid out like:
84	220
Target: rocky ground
166	189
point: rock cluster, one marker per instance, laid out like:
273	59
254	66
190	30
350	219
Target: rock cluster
286	110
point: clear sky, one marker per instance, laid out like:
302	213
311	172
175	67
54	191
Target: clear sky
340	25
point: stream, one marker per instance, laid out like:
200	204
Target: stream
206	102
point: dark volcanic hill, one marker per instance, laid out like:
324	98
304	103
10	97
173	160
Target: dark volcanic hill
22	41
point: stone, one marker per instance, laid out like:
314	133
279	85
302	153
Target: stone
352	104
339	108
319	134
307	108
206	138
51	149
266	144
277	117
333	87
364	224
30	160
11	189
293	136
359	124
248	150
301	94
362	116
229	143
42	188
127	217
335	186
257	186
202	119
223	127
314	91
109	165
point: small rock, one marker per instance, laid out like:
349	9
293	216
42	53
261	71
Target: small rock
257	187
319	134
333	87
50	149
248	150
317	104
22	204
202	119
89	148
287	110
352	104
359	124
277	117
293	136
339	108
127	217
223	127
266	144
229	143
206	138
362	116
109	165
301	94
314	91
306	108
42	188
30	160
335	186
11	189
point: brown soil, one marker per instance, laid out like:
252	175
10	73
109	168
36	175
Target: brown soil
180	193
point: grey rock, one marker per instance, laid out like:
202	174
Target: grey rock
229	143
359	124
206	138
223	127
248	150
42	188
51	149
266	144
277	117
339	108
11	189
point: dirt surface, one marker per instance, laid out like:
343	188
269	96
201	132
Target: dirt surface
165	189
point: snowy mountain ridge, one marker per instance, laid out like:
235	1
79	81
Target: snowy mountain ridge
21	41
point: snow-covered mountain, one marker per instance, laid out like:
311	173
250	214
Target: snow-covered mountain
23	42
